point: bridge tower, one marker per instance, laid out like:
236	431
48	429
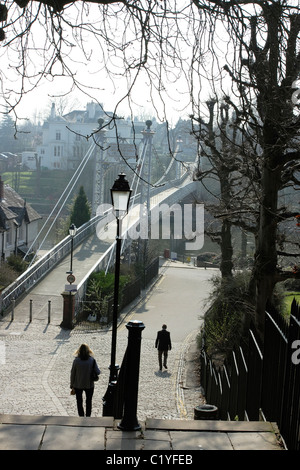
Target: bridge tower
146	160
101	166
98	182
144	168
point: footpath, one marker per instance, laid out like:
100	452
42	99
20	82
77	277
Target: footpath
38	413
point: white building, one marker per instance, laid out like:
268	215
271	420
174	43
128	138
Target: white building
65	139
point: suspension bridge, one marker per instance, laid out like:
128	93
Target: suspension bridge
42	284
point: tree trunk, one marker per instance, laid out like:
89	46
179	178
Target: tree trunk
265	266
226	250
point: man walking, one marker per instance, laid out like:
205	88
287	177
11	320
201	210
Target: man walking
163	344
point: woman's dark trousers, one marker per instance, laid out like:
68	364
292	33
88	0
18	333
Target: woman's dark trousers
88	402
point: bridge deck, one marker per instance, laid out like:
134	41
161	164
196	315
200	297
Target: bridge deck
52	285
85	257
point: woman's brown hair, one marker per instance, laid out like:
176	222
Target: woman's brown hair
84	352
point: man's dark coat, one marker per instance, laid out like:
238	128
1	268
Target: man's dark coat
163	340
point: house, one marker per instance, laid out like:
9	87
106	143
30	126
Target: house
18	222
8	161
65	139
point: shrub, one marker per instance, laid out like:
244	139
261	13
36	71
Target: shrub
228	315
99	290
222	331
104	283
17	263
7	275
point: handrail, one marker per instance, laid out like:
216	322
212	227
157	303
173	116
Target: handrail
47	262
103	261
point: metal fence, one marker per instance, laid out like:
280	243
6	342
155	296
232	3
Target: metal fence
261	381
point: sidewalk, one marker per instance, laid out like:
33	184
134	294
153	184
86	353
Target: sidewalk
73	433
37	411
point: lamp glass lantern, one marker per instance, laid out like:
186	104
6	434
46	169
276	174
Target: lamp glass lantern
72	230
120	195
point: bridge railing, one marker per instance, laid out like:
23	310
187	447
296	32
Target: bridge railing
45	264
106	259
99	266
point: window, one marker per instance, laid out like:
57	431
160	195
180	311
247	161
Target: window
57	151
22	233
8	237
58	135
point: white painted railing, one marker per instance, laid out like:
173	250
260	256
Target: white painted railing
45	264
174	191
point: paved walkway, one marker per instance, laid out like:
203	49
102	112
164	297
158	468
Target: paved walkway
37	411
180	437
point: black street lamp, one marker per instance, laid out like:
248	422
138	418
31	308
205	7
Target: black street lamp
72	233
120	195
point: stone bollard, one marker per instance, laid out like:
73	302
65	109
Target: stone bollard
13	310
68	310
129	421
49	311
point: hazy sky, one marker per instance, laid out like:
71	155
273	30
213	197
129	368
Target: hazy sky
89	68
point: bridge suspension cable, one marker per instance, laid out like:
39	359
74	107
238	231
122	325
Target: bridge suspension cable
137	179
135	193
71	183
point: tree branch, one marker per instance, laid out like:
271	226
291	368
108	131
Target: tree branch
58	5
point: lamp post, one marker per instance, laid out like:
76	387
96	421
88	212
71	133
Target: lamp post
120	195
72	233
69	293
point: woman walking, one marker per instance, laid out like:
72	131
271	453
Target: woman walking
82	379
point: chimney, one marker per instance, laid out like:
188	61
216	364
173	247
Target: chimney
53	111
1	189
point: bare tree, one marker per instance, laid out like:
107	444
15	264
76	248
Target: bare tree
233	164
213	143
265	63
248	46
91	46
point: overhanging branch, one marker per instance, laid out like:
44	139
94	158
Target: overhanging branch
58	5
